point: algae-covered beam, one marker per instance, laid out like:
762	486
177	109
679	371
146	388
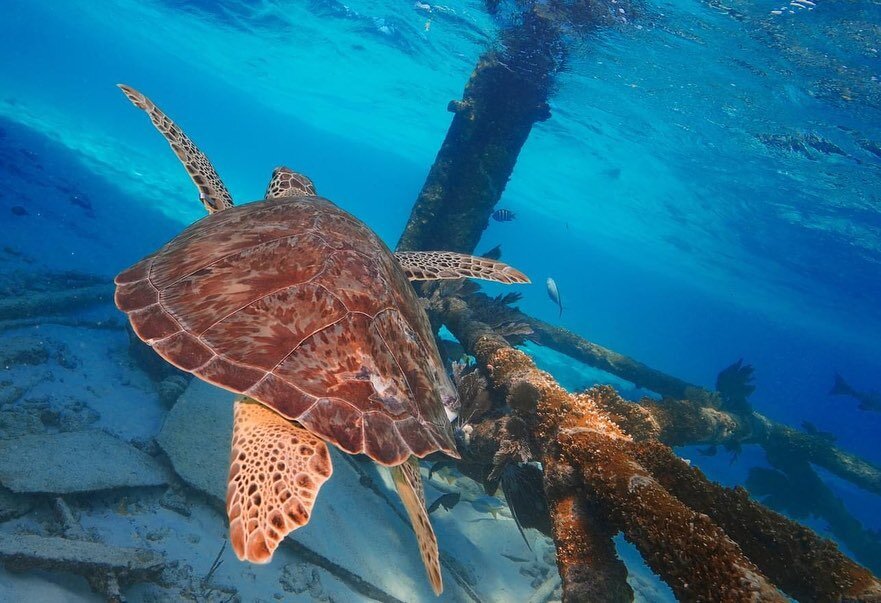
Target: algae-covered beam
706	565
603	466
674	422
667	422
819	451
693	555
692	416
804	565
710	566
586	557
793	557
506	95
816	498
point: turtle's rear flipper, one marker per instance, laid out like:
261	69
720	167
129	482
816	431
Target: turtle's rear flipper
436	265
408	483
212	192
276	469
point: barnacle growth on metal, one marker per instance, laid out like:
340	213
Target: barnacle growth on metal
706	541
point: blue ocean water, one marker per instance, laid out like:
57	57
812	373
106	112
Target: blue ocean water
707	188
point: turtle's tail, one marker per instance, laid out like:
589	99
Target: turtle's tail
408	483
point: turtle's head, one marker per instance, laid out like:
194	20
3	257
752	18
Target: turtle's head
288	183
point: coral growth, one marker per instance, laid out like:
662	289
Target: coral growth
601	476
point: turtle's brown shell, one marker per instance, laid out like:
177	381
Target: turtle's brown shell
300	306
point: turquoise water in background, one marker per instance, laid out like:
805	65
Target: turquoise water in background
676	232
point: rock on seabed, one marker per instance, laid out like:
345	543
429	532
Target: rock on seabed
196	437
82	461
23	350
78	556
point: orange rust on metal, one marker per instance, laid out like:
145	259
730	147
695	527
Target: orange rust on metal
692	554
586	557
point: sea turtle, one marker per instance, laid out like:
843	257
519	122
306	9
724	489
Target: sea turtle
301	308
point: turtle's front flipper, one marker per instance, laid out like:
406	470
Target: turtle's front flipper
434	265
275	471
212	192
408	483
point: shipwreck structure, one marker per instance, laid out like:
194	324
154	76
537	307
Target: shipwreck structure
606	464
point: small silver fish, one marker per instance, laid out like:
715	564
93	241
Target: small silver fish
867	400
488	504
493	254
554	294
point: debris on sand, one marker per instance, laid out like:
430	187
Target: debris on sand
201	463
89	559
14	505
83	461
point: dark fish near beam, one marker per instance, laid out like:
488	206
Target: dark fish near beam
867	400
493	254
554	294
709	451
440	465
814	431
503	215
522	486
447	501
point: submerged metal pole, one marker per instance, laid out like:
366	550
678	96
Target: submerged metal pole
506	94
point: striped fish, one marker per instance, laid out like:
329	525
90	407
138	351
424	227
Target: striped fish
503	215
